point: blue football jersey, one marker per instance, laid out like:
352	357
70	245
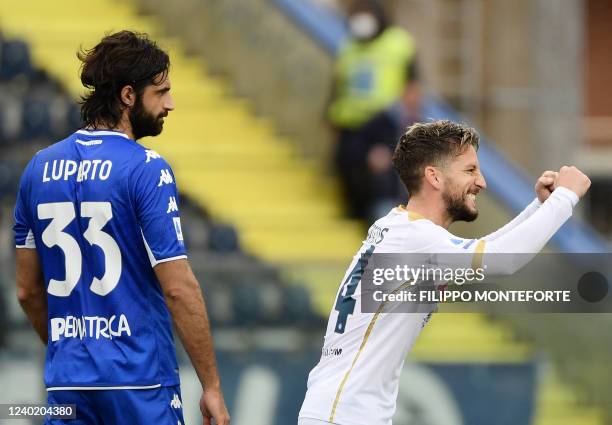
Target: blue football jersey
102	210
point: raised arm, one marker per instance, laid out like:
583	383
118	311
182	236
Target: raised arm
525	239
531	235
543	188
186	304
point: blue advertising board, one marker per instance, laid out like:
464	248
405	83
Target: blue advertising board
267	388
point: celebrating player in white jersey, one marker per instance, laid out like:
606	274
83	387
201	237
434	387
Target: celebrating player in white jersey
357	378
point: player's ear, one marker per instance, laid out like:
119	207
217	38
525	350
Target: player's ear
128	96
432	176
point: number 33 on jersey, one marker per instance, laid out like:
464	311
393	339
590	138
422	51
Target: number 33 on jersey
102	211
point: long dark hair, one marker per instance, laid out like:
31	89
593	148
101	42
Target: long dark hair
120	59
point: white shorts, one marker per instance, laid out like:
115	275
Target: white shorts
310	421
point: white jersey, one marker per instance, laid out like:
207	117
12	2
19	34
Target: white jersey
357	378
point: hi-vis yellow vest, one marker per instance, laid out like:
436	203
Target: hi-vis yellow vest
370	76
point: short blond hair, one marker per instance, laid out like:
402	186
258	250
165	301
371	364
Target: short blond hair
432	143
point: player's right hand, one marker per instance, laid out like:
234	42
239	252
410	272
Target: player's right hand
545	185
573	179
212	406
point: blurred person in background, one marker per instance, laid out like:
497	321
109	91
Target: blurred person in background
382	188
375	69
102	269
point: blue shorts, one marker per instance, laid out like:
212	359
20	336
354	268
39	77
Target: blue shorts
162	405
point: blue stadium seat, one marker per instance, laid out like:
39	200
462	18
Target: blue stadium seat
219	305
10	116
223	238
14	60
9	178
271	309
73	118
36	119
246	302
298	306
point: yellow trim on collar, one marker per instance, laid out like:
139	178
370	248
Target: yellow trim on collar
412	216
478	254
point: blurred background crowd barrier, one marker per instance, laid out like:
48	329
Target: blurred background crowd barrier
263	215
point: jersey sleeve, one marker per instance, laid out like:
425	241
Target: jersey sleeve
520	243
154	194
22	229
524	215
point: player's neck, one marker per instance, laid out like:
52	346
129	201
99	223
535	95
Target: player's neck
123	126
431	209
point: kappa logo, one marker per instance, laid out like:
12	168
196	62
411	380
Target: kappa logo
165	177
175	403
151	154
172	205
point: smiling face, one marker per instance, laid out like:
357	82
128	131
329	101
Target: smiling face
462	182
150	108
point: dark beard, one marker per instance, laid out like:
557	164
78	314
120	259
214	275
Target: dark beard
144	123
457	209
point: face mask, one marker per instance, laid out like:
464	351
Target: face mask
363	26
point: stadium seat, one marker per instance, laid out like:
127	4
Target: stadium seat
14	59
73	116
219	305
297	305
223	238
246	302
9	178
271	296
3	316
10	115
36	119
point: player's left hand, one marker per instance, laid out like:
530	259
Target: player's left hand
545	185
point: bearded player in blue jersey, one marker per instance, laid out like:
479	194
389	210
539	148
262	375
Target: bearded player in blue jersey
101	264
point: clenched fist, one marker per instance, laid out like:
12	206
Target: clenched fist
546	184
573	179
